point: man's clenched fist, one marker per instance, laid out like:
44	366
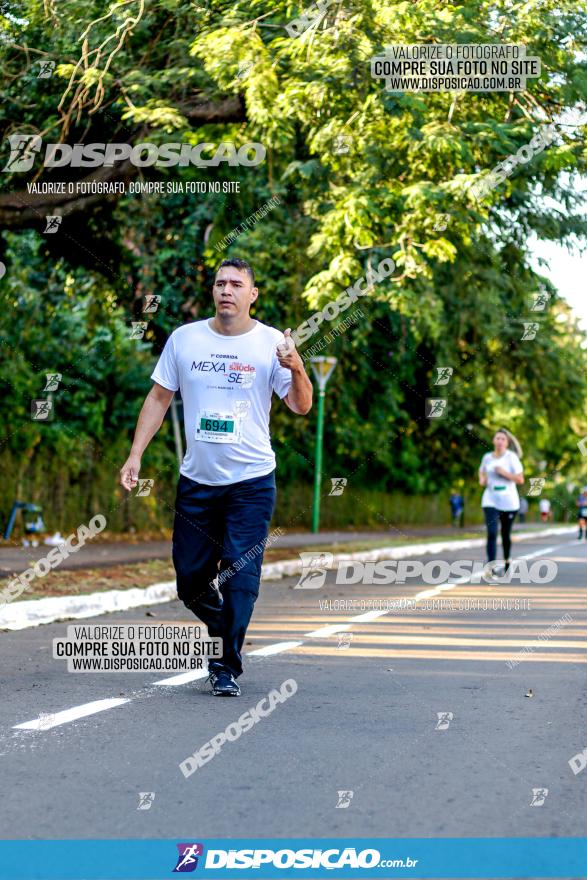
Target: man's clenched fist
129	473
287	354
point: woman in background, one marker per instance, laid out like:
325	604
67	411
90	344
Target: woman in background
500	473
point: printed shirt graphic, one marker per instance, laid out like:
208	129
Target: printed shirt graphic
499	492
226	383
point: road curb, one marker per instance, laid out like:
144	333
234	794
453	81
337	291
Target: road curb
34	612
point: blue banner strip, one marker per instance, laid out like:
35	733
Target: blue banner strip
293	857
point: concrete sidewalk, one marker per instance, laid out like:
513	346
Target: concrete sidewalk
16	559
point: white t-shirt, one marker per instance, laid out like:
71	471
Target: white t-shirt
226	384
499	492
544	505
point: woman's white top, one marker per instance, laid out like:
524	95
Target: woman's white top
499	492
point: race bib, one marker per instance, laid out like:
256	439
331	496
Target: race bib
498	487
218	427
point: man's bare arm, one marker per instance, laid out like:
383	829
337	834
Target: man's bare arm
299	396
150	420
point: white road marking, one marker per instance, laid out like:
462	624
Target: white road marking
326	631
267	651
542	552
277	648
57	718
183	677
372	615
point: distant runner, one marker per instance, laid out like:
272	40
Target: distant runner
227	369
457	507
582	512
501	472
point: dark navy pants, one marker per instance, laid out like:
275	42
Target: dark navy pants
220	531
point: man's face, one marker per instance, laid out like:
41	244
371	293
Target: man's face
233	292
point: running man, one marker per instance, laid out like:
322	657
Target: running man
582	512
227	368
501	472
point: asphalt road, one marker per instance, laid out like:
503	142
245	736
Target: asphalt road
364	720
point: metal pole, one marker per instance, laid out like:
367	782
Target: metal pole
176	431
318	463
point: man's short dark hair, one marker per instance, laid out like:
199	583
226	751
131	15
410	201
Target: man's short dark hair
238	264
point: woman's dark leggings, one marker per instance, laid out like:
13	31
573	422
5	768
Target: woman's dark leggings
493	517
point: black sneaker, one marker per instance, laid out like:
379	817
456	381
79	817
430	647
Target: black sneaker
223	684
